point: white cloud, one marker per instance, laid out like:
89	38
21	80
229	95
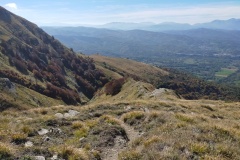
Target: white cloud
11	6
190	14
135	13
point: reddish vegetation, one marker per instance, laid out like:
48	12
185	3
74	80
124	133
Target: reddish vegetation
36	53
114	87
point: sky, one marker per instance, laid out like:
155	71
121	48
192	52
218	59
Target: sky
97	12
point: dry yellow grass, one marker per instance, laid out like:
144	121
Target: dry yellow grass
168	129
121	66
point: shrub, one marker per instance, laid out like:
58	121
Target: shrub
20	65
37	75
114	87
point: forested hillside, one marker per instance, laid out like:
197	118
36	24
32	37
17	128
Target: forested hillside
34	59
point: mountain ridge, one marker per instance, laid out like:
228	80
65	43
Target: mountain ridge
130	115
230	24
40	62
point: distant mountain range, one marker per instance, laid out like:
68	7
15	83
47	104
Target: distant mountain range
200	51
139	42
231	24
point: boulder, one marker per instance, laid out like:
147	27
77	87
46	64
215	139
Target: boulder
67	115
73	113
7	85
42	131
59	115
28	144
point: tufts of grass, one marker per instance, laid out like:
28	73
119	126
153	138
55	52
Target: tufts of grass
223	133
207	107
96	154
19	138
70	153
109	119
82	132
184	118
91	123
6	152
133	117
200	148
152	140
27	130
226	151
130	155
77	125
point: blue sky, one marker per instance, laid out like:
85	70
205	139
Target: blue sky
95	12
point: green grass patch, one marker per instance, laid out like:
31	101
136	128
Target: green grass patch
225	72
190	61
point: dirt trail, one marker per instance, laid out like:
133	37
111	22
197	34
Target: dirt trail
120	143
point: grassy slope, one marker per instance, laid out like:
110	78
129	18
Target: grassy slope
188	86
122	66
137	123
159	129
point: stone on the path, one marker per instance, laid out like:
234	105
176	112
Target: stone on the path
54	157
42	131
67	115
28	144
46	138
59	115
39	158
73	113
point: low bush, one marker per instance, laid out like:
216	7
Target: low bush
114	87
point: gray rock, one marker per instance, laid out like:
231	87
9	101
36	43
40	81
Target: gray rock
39	158
73	113
55	157
42	131
7	85
81	139
59	115
67	115
146	110
46	139
55	131
28	144
127	108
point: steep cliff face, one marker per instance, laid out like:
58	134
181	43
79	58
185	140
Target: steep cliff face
32	58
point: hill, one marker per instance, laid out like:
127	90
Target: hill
33	59
137	123
136	43
202	52
186	85
122	109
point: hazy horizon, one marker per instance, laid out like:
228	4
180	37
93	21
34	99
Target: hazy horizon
99	12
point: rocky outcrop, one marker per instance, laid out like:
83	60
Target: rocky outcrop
7	85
